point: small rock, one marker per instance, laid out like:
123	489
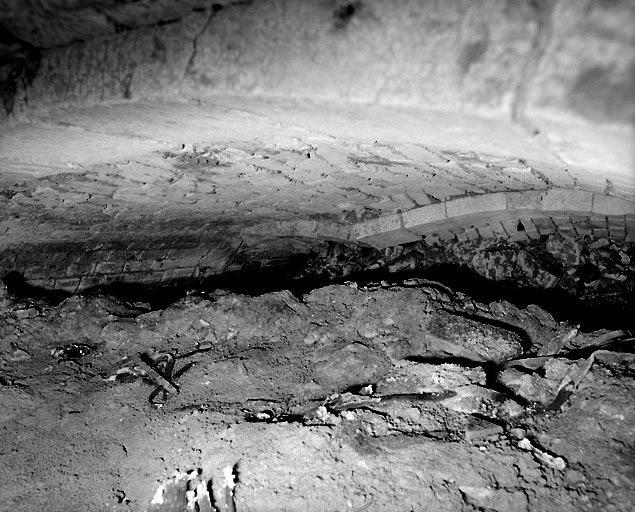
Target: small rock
311	338
26	313
564	248
557	463
525	444
348	415
517	433
510	409
476	495
410	377
600	242
575	477
495	265
534	271
19	355
368	331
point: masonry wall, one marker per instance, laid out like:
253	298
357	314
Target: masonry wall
528	60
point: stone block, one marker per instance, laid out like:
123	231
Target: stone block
562	199
432	240
109	267
424	215
485	231
80	268
445	234
162	264
91	281
525	200
177	273
36	272
498	230
472	233
384	232
461	236
117	256
515	234
189	260
598	222
582	227
390	239
562	222
476	204
617	234
544	225
46	284
378	225
135	266
68	284
611	205
530	229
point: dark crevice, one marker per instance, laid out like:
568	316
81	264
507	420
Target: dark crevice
18	287
608	312
571	292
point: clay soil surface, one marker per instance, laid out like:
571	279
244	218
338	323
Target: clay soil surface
381	397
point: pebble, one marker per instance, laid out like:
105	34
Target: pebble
517	433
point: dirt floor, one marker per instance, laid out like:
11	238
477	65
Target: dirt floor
376	397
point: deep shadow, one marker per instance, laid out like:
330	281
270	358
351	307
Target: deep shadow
18	287
610	312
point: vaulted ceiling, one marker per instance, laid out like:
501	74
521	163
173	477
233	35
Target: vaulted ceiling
195	137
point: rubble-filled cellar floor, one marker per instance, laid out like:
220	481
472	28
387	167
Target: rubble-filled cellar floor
383	391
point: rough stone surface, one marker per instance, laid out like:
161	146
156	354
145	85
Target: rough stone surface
523	59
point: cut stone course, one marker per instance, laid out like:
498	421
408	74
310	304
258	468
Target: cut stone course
567	200
610	205
476	204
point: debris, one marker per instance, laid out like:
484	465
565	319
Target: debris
517	433
551	382
475	400
510	409
595	340
415	377
126	374
71	351
197	494
230	474
121	496
557	463
560	339
19	355
160	368
549	460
